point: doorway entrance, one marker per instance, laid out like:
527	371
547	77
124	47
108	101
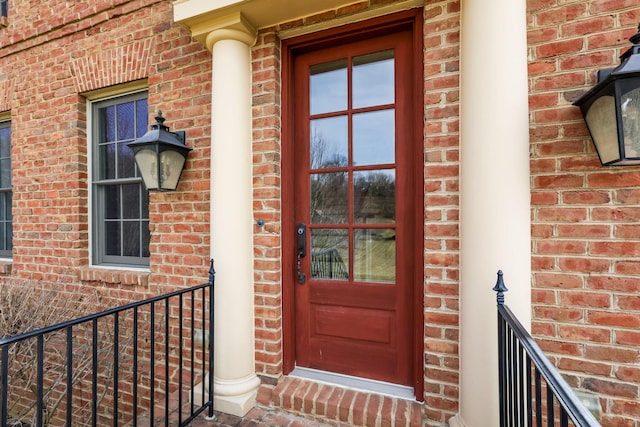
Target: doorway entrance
355	205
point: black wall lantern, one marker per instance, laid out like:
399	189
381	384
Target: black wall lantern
160	156
611	109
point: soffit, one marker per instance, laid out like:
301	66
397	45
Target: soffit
260	13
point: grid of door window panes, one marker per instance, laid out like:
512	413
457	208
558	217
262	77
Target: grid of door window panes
4	7
121	201
6	228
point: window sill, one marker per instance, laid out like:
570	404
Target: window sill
115	276
4	21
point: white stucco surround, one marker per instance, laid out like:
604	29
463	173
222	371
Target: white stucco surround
495	226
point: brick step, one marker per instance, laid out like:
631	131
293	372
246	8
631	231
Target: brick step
338	406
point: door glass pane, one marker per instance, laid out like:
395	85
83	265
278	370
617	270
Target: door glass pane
328	201
374	197
329	142
374	138
373	79
375	255
328	87
329	254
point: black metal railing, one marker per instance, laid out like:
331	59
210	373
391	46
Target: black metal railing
531	390
328	264
145	363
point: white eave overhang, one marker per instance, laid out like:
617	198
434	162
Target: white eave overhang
202	16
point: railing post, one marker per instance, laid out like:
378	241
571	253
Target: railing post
500	289
212	276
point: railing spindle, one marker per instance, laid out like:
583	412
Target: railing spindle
135	365
116	362
69	375
40	382
4	376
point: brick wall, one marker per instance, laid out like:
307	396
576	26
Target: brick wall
441	263
50	57
586	254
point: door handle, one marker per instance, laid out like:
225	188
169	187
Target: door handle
301	238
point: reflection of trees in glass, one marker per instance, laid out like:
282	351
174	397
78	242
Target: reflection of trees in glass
328	201
322	156
329	198
374	196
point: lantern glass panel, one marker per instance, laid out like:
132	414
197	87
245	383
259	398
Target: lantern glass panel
171	163
630	112
147	160
601	121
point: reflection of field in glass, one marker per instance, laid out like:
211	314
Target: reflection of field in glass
375	255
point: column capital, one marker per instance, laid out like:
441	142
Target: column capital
233	26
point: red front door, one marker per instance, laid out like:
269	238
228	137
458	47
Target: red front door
355	206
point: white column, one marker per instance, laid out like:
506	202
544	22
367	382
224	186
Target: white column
494	193
236	383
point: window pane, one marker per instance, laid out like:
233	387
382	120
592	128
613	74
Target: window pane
112	238
375	255
107	124
329	254
131	241
329	202
374	197
107	161
5	142
374	138
112	201
373	79
131	201
126	161
328	87
329	142
126	121
9	237
5	173
7	205
146	237
142	114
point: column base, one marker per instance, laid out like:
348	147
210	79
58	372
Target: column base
456	421
234	397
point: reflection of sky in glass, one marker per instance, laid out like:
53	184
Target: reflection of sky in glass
329	142
373	79
328	87
374	138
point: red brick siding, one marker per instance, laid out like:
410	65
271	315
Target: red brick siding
267	203
585	308
441	246
50	56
